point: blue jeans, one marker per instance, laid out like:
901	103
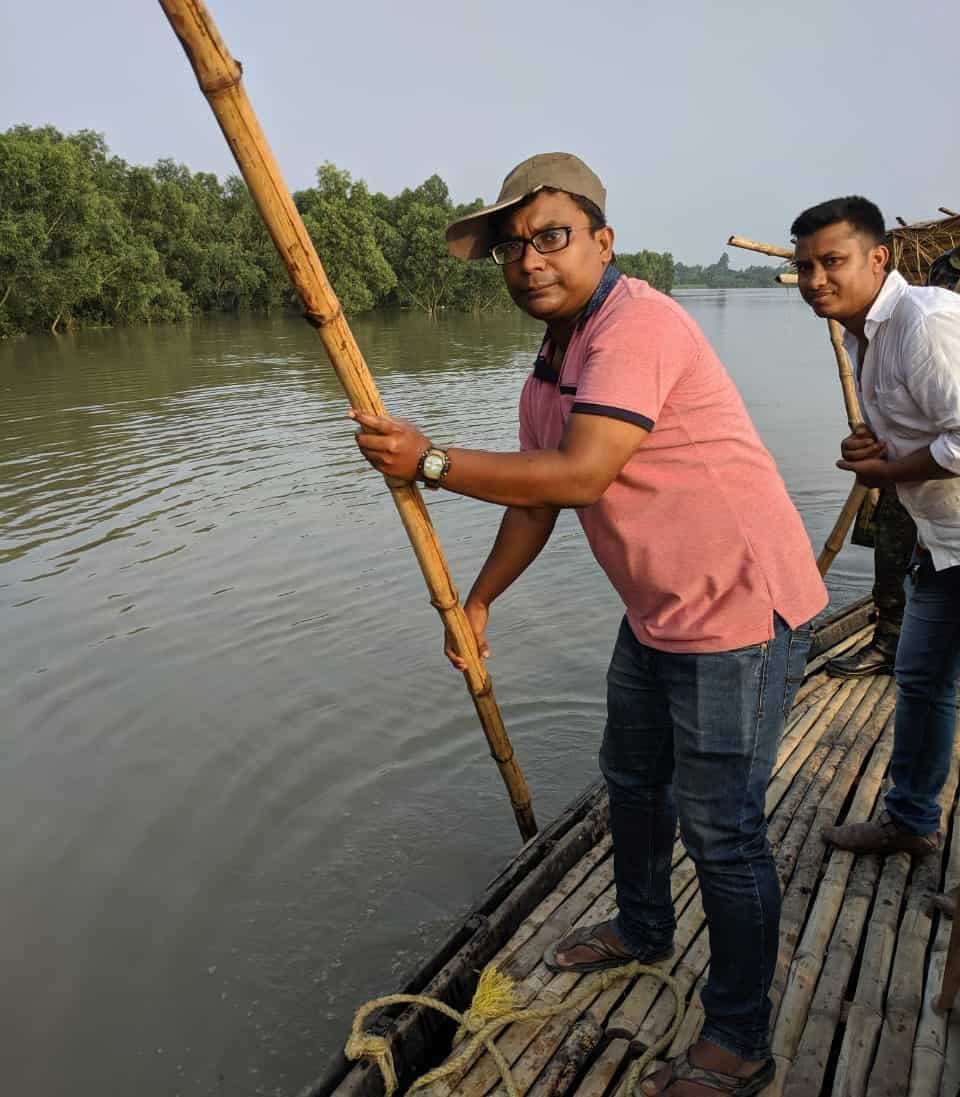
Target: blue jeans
696	736
927	671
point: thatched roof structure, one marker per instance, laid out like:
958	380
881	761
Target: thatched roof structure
914	247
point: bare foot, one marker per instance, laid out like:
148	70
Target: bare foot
701	1054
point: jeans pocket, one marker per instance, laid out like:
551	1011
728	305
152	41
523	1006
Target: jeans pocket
797	652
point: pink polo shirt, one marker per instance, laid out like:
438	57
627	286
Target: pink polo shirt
697	533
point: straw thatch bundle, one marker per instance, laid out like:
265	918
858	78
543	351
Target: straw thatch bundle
914	247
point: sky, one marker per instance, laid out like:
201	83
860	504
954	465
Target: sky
702	118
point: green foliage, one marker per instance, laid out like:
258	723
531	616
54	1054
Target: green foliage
341	218
87	239
428	277
719	275
426	272
67	253
652	266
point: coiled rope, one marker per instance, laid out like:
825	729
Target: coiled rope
495	1006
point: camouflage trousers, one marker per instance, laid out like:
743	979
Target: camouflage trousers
895	537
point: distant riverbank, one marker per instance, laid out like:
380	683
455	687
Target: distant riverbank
91	241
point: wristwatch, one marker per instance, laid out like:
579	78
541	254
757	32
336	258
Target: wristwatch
433	465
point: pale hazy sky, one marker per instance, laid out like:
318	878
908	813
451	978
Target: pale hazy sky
702	119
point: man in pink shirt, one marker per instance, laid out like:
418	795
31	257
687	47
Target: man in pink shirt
630	418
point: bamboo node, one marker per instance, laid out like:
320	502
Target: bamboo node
223	83
445	607
486	690
318	320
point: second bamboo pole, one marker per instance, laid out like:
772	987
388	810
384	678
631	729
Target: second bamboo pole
858	493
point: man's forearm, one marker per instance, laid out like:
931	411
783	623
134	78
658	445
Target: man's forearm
915	467
591	454
522	534
533	479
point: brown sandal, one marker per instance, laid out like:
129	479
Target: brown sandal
608	957
730	1085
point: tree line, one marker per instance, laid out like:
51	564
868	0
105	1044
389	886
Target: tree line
87	239
719	275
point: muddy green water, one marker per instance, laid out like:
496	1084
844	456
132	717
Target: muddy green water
240	789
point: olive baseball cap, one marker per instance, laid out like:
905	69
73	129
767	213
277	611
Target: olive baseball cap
469	237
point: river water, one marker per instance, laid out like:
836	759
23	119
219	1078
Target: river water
241	790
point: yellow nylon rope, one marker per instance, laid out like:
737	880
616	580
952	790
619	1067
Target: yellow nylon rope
494	1006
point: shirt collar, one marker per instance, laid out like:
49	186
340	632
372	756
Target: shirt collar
893	288
542	370
610	278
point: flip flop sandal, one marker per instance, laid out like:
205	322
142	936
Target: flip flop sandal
682	1070
609	958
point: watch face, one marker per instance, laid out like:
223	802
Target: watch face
433	466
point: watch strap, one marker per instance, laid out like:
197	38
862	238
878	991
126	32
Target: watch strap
433	481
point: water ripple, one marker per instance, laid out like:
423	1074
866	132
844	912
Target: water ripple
231	742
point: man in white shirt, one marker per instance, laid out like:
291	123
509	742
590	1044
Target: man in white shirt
905	343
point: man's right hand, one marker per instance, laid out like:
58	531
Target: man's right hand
862	445
477	614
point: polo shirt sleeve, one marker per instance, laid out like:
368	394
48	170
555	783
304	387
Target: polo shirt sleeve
634	361
528	437
934	383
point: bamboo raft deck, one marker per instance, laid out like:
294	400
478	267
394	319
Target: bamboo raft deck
861	953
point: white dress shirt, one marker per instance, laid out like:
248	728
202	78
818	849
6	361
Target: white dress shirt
909	384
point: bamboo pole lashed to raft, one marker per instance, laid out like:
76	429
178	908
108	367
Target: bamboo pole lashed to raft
219	76
859	492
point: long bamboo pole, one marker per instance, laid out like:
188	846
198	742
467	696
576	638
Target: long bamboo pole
850	399
219	76
845	519
858	493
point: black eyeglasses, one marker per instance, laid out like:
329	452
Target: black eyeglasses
550	240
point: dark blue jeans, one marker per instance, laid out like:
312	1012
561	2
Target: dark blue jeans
927	671
696	736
